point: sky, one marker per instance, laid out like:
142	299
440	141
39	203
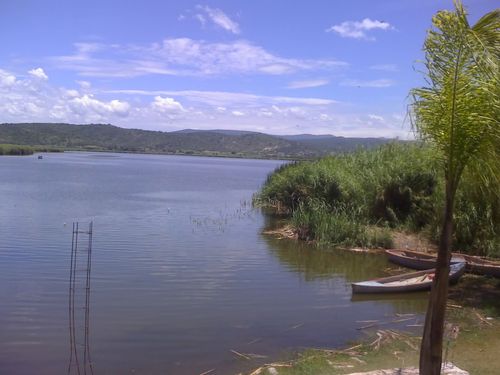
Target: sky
279	67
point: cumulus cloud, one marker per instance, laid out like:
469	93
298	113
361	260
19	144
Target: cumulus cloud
218	17
25	100
184	57
84	84
307	83
87	103
38	73
166	104
375	117
6	79
359	29
72	93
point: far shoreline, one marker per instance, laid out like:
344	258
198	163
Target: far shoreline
195	154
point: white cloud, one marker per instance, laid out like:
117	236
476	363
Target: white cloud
38	73
276	69
307	83
25	100
219	18
84	84
201	18
359	29
72	93
376	83
87	103
167	105
184	57
225	99
375	117
265	112
6	79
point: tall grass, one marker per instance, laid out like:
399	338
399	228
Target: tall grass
354	199
8	149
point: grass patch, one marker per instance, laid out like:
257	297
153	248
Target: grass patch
475	349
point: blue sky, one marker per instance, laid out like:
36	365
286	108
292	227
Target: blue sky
280	67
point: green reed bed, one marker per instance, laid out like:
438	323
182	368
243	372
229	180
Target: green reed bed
356	199
8	149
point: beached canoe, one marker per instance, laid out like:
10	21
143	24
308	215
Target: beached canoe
412	259
417	260
480	266
408	282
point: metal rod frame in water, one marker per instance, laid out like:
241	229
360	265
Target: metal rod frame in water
77	364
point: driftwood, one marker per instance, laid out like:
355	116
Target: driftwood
254	341
481	318
240	354
295	326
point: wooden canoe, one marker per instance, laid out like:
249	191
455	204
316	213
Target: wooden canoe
480	266
408	282
417	260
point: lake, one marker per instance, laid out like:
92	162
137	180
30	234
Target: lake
181	272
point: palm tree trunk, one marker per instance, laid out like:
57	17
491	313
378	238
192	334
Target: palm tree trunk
431	349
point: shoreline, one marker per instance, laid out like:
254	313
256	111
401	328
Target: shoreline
473	313
402	240
471	343
195	154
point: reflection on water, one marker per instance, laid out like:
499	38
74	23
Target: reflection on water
181	274
321	262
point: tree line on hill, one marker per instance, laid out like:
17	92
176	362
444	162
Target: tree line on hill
105	137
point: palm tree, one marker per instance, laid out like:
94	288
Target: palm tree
458	112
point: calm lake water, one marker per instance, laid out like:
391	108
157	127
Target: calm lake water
181	274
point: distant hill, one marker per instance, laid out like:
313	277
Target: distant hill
325	144
221	131
105	137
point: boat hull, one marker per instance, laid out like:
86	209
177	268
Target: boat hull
480	266
411	259
417	260
390	284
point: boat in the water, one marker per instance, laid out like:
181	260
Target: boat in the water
417	260
408	282
480	266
